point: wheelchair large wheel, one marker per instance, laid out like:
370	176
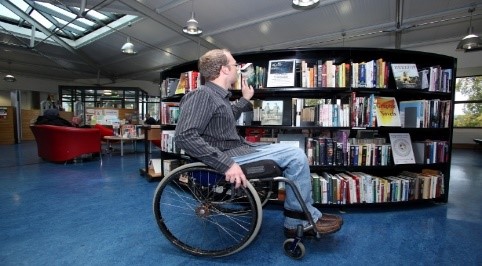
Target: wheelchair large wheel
202	214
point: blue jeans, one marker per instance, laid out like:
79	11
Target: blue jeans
295	163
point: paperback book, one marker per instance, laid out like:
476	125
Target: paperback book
387	112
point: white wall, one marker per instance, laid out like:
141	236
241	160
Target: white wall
467	63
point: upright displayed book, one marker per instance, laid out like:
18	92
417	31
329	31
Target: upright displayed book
402	148
281	73
412	113
406	76
272	113
387	112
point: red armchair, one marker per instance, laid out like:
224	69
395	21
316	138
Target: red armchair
61	144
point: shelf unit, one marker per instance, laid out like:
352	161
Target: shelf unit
348	55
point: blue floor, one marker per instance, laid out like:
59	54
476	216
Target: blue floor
92	214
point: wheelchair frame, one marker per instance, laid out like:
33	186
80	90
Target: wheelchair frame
202	214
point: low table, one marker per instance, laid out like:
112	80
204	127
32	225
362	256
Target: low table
122	140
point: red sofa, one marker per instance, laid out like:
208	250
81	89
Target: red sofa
61	144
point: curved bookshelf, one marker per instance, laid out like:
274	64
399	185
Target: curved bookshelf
440	132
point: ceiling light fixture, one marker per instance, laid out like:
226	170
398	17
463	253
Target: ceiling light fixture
192	25
305	4
9	77
471	41
128	47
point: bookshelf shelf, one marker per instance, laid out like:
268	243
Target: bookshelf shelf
343	91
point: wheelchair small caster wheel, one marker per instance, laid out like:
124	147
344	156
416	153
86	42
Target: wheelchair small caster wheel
297	251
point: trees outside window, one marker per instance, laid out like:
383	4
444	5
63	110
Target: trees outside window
468	102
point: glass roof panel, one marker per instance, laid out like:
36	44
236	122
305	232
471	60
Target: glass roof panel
60	19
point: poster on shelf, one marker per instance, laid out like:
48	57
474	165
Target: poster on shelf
281	73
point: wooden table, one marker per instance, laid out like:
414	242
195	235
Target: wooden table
122	140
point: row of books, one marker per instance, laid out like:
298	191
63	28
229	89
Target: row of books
328	74
167	141
436	79
370	74
425	113
431	151
169	113
325	115
365	111
255	76
373	111
325	151
367	149
359	187
187	81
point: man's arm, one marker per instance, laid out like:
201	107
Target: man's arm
243	104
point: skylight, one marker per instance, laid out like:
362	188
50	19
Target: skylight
60	19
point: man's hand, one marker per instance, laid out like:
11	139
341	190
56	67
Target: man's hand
236	175
246	90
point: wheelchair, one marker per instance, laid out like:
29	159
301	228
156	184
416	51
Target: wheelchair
201	213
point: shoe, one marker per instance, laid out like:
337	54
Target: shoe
322	226
332	217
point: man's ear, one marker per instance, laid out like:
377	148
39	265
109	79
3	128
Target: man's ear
224	70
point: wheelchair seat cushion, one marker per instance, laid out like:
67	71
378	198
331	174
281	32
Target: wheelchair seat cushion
261	169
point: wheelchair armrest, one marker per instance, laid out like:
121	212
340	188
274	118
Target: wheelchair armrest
261	169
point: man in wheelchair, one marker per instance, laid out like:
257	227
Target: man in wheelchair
206	130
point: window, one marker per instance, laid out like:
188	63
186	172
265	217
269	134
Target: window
468	102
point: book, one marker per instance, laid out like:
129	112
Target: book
387	112
248	72
401	148
182	85
412	113
281	73
406	76
421	152
272	113
316	188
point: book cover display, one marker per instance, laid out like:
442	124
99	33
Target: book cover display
402	148
272	113
412	113
387	112
406	76
281	73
